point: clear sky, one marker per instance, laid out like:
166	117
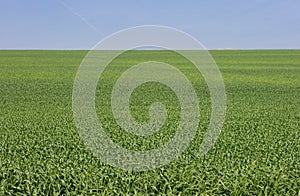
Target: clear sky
79	24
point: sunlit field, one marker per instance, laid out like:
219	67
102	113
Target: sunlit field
257	152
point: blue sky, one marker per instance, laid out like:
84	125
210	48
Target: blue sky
78	24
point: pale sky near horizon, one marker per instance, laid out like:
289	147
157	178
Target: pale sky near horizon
77	24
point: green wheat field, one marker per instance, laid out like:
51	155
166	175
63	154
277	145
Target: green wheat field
257	153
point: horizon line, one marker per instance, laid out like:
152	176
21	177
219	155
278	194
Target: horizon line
87	49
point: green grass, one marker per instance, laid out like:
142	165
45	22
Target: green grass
257	152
